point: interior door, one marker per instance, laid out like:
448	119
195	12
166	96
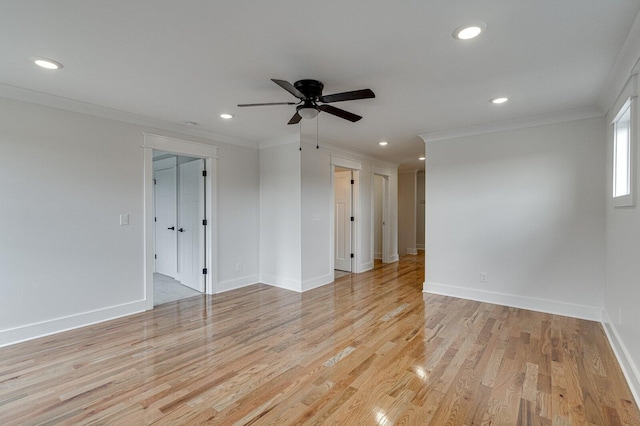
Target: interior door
343	200
190	228
166	241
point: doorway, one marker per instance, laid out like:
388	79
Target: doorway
381	216
199	268
343	220
179	226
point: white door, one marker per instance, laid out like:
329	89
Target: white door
343	198
190	228
166	240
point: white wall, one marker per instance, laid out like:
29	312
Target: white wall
66	177
622	290
316	210
238	216
525	207
420	206
280	218
378	184
407	212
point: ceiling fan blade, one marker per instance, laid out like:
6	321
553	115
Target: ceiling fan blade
289	88
295	119
267	103
348	96
340	113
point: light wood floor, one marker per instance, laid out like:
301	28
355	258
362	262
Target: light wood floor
371	349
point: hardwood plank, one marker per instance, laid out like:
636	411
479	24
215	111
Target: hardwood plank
370	348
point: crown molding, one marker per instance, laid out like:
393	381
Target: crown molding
623	68
40	98
520	123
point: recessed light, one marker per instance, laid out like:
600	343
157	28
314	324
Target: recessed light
45	63
422	158
498	100
226	116
383	143
469	31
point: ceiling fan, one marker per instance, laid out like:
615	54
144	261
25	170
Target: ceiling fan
310	93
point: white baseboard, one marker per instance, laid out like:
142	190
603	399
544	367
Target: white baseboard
317	282
58	325
412	251
377	255
591	313
236	283
364	267
285	283
420	246
629	368
394	258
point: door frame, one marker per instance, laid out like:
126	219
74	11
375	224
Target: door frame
192	149
351	223
386	213
356	168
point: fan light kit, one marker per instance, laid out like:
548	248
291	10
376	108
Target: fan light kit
469	31
48	64
498	101
226	116
309	92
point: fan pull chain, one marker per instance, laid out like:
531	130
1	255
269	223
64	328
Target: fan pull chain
317	131
300	135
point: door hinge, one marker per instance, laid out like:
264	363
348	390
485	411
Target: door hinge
155	256
353	181
204	271
204	173
352	255
155	182
204	222
155	219
352	218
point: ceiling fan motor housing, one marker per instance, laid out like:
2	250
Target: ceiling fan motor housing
311	89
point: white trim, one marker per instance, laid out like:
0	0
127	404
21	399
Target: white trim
366	266
520	123
629	369
40	98
285	283
179	146
317	281
194	149
412	251
71	322
394	258
237	283
345	162
420	246
591	313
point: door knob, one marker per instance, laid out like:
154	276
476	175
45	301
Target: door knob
173	228
180	230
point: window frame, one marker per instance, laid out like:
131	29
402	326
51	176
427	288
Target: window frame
624	200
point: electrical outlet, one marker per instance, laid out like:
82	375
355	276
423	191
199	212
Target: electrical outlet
238	267
483	277
619	316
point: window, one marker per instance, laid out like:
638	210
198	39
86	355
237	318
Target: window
622	156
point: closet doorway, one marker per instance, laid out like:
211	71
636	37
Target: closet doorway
179	183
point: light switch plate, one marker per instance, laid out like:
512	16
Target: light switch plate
124	219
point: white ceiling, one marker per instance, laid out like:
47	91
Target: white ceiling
191	60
